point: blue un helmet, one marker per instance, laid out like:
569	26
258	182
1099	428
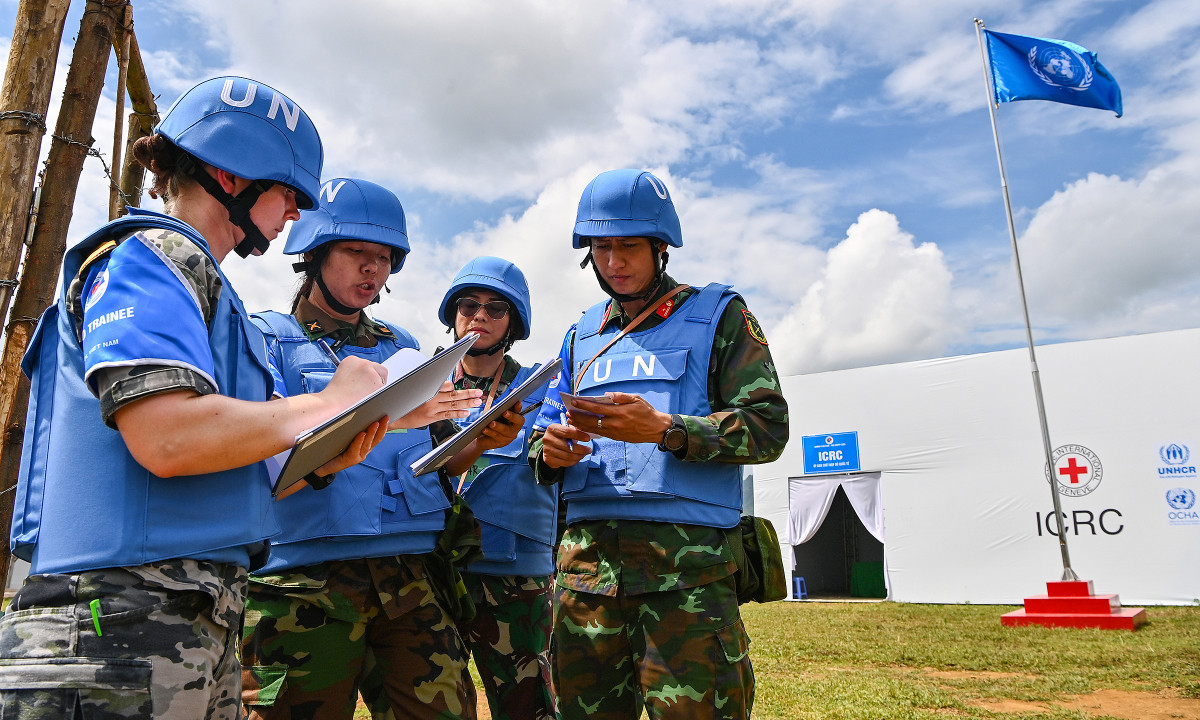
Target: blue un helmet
249	129
501	277
627	203
351	209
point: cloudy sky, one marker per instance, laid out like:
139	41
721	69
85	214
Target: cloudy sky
832	159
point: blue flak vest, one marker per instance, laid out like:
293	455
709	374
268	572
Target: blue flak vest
668	366
373	509
83	502
518	516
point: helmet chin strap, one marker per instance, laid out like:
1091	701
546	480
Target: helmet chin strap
238	206
318	260
334	304
659	271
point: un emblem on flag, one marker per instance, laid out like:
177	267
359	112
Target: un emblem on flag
1059	67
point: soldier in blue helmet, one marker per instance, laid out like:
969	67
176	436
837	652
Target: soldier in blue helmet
351	573
510	585
647	604
142	499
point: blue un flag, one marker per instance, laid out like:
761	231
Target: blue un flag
1029	68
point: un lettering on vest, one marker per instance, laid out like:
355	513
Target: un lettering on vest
640	366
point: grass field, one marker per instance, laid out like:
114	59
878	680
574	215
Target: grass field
892	661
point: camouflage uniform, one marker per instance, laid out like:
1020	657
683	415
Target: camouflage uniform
308	631
510	634
160	643
156	640
646	613
307	634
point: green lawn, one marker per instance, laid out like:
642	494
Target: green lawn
891	661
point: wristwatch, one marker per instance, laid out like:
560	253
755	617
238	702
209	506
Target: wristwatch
675	437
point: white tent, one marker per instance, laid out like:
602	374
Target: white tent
953	478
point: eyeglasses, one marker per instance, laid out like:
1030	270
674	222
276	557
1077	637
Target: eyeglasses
496	309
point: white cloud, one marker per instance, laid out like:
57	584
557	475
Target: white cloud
880	299
1105	247
524	102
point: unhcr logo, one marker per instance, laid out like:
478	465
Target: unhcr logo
1175	461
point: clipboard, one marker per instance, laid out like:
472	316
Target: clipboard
441	454
396	398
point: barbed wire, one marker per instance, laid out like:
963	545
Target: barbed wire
29	118
96	154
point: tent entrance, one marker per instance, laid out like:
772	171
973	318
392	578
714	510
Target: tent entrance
838	522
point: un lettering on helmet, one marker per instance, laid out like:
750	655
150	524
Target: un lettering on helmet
352	209
250	129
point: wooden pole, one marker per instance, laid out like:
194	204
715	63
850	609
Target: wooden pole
68	149
132	172
116	207
24	101
141	121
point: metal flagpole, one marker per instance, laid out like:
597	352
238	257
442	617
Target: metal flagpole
1068	573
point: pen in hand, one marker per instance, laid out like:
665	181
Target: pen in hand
562	418
329	352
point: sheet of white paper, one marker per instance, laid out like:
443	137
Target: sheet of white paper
275	465
402	362
402	393
398	365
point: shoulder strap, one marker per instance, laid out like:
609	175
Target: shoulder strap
283	326
703	306
399	336
102	242
589	324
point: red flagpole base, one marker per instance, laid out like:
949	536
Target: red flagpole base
1073	604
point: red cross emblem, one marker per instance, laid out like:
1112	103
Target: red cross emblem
1074	470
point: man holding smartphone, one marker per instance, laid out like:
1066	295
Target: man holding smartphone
647	611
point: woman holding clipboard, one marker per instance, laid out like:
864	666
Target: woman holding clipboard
142	499
348	575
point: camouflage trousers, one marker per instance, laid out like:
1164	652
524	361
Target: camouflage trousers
679	654
510	640
307	634
153	641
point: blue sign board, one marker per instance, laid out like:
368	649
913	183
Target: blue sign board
832	453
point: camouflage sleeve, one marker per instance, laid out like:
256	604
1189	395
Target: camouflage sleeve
119	386
750	422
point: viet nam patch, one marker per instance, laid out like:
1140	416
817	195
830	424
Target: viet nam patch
754	328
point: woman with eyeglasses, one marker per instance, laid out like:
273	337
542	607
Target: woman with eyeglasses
510	585
355	570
